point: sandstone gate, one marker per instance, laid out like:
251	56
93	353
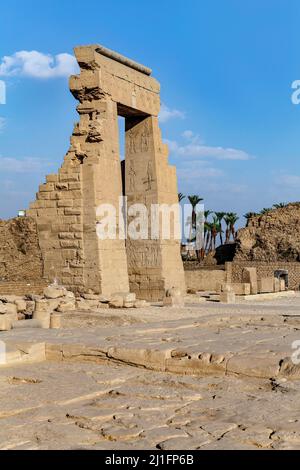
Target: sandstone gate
109	85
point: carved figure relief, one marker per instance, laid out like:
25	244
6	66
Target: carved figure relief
132	175
149	177
145	138
132	146
95	128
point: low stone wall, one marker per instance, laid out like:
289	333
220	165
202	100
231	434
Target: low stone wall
235	269
204	279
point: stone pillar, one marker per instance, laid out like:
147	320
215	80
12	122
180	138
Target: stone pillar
105	263
154	264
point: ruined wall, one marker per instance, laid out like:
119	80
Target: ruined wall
270	242
204	279
234	271
20	253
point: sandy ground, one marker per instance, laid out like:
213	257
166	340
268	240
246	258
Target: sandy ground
111	399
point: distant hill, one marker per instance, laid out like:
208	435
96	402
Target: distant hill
274	236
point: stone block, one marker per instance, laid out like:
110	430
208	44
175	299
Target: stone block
52	292
21	305
227	297
11	309
117	301
282	285
103	306
22	324
65	203
90	297
5	322
276	285
42	306
66	306
265	285
87	304
52	178
43	317
55	321
128	304
2	309
238	288
250	277
129	297
173	298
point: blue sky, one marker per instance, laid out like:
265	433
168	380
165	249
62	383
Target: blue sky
226	69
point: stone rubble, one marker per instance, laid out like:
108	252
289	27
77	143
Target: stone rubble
57	300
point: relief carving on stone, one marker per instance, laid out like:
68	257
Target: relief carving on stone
132	142
145	138
149	176
132	175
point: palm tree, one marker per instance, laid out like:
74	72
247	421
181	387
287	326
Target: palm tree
220	217
194	200
248	216
207	214
230	219
206	233
215	228
181	197
227	222
280	205
233	219
265	210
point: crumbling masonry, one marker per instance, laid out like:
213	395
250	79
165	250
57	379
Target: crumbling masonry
65	210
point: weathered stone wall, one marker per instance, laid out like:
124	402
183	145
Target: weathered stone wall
20	253
204	279
264	269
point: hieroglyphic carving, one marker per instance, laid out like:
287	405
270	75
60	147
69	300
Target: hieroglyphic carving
145	138
132	146
148	258
132	175
149	177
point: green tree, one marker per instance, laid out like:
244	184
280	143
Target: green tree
265	210
220	217
230	219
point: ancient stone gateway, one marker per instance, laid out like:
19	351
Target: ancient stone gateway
66	207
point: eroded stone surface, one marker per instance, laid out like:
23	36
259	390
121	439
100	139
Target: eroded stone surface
119	407
226	380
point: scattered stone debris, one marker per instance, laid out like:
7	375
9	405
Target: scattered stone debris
45	311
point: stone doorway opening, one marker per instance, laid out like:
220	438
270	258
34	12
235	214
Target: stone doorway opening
282	274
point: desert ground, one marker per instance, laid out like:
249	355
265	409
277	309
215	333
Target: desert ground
206	376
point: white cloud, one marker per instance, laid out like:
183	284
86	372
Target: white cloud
196	149
166	114
38	65
188	135
288	180
2	123
25	165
